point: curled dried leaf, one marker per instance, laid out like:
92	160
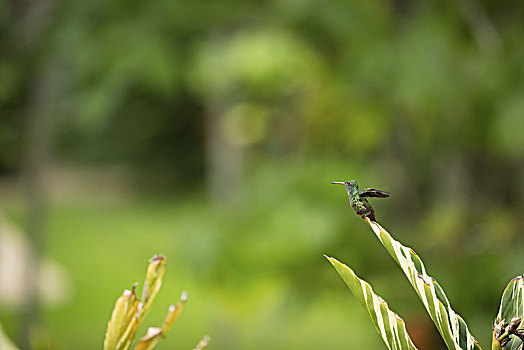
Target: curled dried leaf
174	312
153	336
122	325
152	284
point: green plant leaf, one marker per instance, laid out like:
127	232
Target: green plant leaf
495	345
388	324
5	342
450	325
511	305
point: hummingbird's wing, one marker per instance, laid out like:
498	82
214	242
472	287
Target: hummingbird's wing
371	192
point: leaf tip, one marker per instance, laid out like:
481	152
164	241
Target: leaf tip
330	259
158	258
183	297
203	343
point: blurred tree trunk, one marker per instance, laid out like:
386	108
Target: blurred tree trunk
35	18
225	161
224	172
38	153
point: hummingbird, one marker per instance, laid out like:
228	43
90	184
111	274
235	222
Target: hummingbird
358	201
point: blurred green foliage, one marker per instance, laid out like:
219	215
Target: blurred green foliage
270	101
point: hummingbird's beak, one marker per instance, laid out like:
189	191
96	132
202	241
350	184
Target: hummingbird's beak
339	183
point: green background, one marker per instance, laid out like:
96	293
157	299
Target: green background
209	131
